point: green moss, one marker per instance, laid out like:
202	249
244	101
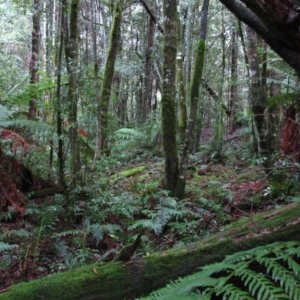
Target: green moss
126	173
73	284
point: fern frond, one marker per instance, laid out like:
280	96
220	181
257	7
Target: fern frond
66	233
17	233
148	224
231	292
7	247
259	286
281	275
96	231
264	273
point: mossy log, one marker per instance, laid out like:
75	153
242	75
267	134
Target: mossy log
139	276
127	173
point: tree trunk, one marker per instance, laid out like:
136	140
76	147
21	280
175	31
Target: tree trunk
59	104
104	99
233	94
34	60
139	276
194	99
169	96
182	111
71	50
257	95
181	97
148	70
49	36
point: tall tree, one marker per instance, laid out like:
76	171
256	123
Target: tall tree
168	97
71	50
194	98
233	75
256	93
59	114
148	68
104	97
34	60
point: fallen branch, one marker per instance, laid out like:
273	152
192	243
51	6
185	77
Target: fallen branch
127	173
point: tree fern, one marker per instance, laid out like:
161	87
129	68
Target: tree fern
267	272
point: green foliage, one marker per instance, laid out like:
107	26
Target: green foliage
267	272
7	247
144	136
166	209
288	98
284	179
4	113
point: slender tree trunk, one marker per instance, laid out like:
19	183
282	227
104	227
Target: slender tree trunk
169	96
181	106
71	50
257	96
234	76
148	70
49	35
194	99
59	115
34	60
199	116
217	144
104	99
274	121
182	110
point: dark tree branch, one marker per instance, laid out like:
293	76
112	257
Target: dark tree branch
152	16
283	37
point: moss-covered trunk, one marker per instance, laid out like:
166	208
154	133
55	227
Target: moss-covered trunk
71	50
257	97
104	97
190	138
34	60
169	96
139	276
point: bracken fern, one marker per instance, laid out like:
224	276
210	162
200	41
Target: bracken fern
266	272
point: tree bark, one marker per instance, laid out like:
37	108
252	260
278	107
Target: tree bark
168	97
148	71
233	94
194	100
257	95
59	104
71	50
104	99
139	276
34	60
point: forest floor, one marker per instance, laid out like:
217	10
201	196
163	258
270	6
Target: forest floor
107	215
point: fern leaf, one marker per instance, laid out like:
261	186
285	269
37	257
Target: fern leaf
231	292
281	275
259	286
62	234
7	247
292	264
96	231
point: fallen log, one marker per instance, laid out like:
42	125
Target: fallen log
141	275
127	173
